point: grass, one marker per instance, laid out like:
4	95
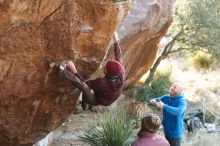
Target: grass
209	117
202	139
203	61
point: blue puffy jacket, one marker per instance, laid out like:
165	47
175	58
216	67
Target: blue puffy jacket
173	114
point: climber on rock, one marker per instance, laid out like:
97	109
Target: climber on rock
101	91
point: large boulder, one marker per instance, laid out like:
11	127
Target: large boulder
33	99
141	32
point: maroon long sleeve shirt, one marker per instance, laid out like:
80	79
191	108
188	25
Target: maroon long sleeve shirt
107	89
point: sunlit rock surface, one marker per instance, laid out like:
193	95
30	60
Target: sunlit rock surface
141	32
34	100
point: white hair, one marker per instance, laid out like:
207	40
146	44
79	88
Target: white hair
179	85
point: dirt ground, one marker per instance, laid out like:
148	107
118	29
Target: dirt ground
198	86
66	134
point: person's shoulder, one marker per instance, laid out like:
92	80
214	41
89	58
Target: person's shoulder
162	140
181	100
182	96
160	136
99	84
165	96
136	143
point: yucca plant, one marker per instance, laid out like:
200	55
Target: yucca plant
114	129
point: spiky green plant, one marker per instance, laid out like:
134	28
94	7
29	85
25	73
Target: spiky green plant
114	129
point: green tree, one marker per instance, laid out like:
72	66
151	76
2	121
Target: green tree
158	87
199	22
196	26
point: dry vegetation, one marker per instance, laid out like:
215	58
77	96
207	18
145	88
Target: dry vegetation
198	85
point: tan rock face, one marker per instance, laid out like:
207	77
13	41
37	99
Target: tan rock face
33	99
141	32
